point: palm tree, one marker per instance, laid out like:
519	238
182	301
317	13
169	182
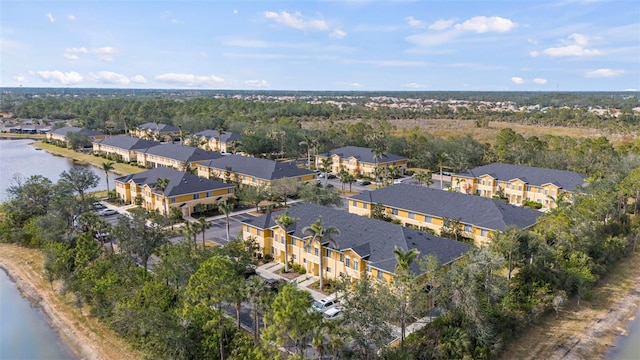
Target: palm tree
442	157
107	166
285	221
189	233
350	180
322	235
226	208
219	144
203	225
162	184
325	167
404	260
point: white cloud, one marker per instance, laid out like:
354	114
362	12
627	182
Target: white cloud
414	86
108	77
235	11
395	63
257	83
296	21
50	17
105	53
71	17
413	21
517	80
80	50
540	81
19	78
68	78
483	24
604	73
575	46
70	56
338	34
138	79
431	39
440	25
534	53
189	79
355	84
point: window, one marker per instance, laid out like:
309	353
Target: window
467	228
519	187
259	232
364	206
328	270
341	257
380	276
283	238
276	237
355	264
546	191
229	190
428	219
539	190
354	203
196	196
394	211
308	249
412	215
347	262
553	193
482	182
368	268
327	253
483	232
209	194
173	200
315	251
304	261
528	187
273	250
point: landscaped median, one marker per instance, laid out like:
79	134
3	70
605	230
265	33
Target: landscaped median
118	168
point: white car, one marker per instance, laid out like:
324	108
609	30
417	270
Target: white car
324	304
107	212
332	313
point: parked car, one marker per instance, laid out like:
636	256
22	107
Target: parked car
364	183
98	206
274	284
107	212
331	176
324	304
332	313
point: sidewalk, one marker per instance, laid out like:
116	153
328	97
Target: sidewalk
268	271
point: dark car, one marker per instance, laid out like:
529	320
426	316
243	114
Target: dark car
274	284
364	183
331	176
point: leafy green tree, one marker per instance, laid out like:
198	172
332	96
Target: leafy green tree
320	195
284	187
323	235
423	177
28	198
253	195
507	244
80	179
138	236
212	285
291	321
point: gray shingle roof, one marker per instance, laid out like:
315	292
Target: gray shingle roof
179	182
182	153
472	210
158	127
374	240
567	180
127	142
362	154
72	129
260	168
213	134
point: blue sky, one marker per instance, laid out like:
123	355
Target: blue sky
584	45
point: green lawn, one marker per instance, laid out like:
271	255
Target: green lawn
121	169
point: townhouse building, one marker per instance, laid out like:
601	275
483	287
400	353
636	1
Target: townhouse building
253	171
184	158
360	161
213	140
124	147
185	191
517	183
62	133
363	245
430	209
156	131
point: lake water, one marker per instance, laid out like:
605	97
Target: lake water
17	157
24	330
628	347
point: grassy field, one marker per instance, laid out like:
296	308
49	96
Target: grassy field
82	158
448	127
